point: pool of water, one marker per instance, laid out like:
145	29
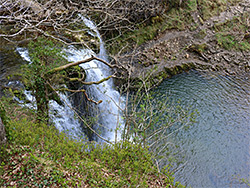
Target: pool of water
216	149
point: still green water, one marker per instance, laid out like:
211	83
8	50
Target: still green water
215	149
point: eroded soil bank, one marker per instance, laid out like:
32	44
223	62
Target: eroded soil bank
220	43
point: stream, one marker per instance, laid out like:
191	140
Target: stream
215	149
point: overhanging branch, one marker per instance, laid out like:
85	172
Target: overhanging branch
98	135
57	69
80	91
98	82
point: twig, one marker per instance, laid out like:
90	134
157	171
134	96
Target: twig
98	135
79	91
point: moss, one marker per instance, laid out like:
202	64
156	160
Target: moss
179	69
237	24
201	34
175	18
155	79
139	36
229	42
210	8
178	17
76	72
3	114
198	48
187	66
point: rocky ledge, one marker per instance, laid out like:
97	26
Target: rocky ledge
221	43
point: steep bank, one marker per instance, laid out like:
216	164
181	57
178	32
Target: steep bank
219	43
37	155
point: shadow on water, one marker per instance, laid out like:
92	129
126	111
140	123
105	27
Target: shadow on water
216	148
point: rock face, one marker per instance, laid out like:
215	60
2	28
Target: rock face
202	48
2	133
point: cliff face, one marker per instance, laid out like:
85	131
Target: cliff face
217	43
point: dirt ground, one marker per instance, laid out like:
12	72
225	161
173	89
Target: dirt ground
175	51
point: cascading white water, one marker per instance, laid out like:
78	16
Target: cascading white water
107	112
62	115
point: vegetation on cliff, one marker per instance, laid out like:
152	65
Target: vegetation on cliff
37	155
204	35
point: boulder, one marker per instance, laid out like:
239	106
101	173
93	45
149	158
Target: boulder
2	133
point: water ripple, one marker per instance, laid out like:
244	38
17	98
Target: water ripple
217	146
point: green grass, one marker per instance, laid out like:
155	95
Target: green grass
143	33
230	34
229	42
38	155
237	24
209	8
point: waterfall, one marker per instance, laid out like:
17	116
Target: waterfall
107	113
62	115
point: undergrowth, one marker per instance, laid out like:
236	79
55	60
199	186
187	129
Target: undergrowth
178	18
38	155
175	18
209	8
230	34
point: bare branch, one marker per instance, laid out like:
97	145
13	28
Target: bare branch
15	34
98	135
98	82
78	63
80	91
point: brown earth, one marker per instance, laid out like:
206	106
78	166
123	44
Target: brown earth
175	51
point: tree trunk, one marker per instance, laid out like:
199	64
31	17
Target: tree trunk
2	133
42	102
